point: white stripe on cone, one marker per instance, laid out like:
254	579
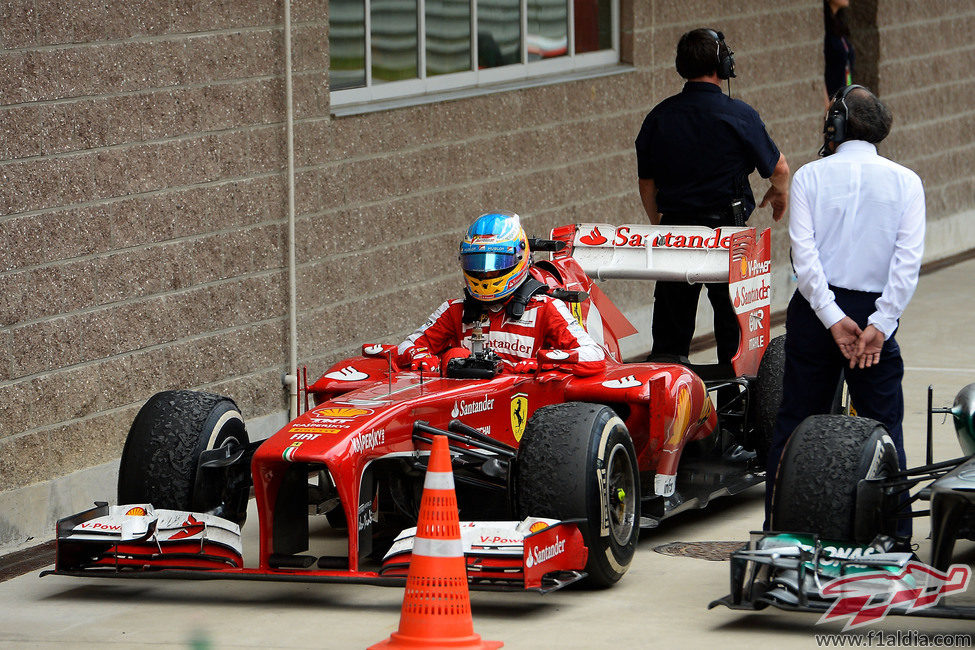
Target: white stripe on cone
438	547
439	481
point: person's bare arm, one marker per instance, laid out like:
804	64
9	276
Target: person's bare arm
778	194
648	194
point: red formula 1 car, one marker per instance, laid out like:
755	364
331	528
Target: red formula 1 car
556	474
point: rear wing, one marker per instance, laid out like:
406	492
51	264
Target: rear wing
739	256
636	251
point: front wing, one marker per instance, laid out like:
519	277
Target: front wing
797	572
524	552
138	540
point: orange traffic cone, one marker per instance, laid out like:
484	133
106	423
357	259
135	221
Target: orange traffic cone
436	605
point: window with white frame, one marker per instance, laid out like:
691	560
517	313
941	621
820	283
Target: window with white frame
382	49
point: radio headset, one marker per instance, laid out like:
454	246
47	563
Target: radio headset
726	58
834	128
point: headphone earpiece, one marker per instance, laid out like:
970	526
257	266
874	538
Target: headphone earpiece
834	128
726	61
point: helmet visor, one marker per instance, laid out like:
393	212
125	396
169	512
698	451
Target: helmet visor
489	261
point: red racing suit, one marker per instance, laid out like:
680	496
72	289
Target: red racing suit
546	324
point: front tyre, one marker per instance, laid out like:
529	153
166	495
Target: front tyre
822	463
161	459
576	461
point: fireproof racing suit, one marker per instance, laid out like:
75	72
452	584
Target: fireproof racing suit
547	325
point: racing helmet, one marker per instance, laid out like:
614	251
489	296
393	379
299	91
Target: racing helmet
494	255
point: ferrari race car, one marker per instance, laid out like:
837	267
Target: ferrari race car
555	473
839	484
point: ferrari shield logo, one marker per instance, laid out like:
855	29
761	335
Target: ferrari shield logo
576	309
519	414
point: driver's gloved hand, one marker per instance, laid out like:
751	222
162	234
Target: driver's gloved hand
526	366
421	359
425	363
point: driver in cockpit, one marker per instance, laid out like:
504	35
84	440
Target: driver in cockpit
506	305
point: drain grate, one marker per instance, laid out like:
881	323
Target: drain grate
26	561
714	551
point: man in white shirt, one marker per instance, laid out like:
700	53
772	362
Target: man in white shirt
857	231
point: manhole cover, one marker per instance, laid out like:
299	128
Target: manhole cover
715	551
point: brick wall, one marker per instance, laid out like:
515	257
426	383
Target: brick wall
142	215
143	194
926	76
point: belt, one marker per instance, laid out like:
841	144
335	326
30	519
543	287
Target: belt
854	292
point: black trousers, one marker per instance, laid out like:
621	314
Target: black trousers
675	313
813	367
675	306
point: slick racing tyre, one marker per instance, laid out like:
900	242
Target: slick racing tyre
161	459
816	483
576	461
767	397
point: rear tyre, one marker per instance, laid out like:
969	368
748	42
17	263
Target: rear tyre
767	397
161	459
576	461
816	483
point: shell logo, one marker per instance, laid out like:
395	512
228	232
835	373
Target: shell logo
136	512
342	412
744	268
537	526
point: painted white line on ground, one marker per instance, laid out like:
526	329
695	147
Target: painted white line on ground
925	369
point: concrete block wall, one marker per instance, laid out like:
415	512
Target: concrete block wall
143	196
143	228
926	76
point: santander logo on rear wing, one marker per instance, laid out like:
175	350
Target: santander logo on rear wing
642	251
739	256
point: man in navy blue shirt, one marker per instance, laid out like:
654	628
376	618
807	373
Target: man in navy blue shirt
695	152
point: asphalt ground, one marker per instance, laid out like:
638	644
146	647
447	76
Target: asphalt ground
661	602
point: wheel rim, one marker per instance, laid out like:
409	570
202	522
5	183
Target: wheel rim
621	487
877	468
229	441
226	503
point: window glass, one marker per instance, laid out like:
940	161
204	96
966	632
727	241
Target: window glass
347	43
498	33
448	44
593	25
548	29
394	40
385	49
